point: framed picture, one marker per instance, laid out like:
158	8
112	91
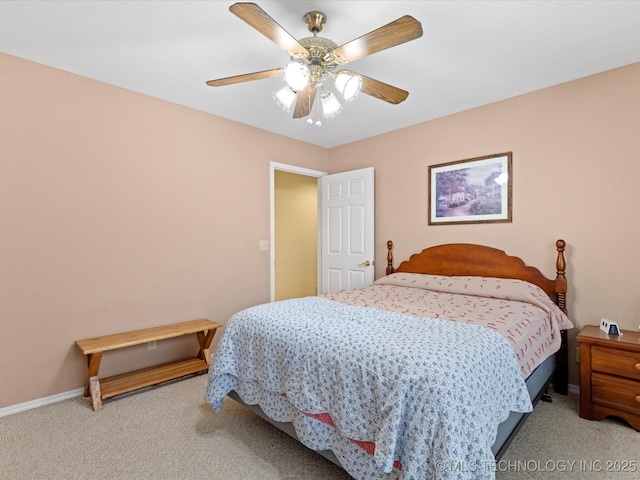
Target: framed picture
476	190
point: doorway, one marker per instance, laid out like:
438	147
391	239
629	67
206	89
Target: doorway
294	231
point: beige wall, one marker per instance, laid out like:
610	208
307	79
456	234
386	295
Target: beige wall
121	211
296	235
576	164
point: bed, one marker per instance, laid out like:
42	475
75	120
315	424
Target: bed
427	373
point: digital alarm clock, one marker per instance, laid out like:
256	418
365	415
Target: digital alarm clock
609	327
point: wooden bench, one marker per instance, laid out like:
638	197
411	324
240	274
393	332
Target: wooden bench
102	389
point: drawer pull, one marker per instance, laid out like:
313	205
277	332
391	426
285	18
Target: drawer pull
638	398
637	366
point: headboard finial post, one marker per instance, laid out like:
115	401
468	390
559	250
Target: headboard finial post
389	257
561	279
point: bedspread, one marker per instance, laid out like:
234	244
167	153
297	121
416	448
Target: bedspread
520	311
429	393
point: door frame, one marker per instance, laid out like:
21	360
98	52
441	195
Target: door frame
273	166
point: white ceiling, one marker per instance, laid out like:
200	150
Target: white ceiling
472	53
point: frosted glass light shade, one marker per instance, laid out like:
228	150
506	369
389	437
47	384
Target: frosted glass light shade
285	98
330	104
296	75
348	84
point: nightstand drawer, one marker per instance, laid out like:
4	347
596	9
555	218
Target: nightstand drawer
615	362
615	392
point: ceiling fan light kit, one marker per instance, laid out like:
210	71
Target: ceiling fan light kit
311	71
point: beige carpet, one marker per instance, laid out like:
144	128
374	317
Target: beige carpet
169	432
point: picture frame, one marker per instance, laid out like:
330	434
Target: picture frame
474	190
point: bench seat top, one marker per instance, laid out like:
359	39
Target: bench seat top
145	335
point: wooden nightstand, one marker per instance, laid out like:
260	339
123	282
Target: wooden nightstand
609	375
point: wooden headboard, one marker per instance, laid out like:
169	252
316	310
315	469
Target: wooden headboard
466	259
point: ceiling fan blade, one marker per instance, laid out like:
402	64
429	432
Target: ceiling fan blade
402	30
383	91
245	78
304	102
262	22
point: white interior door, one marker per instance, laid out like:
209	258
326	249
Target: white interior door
347	230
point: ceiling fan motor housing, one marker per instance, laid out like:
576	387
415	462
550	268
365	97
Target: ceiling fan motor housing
319	59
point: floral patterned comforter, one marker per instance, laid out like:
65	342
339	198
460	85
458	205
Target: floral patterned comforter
520	311
424	394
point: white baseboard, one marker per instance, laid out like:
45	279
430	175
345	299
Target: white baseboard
40	402
573	388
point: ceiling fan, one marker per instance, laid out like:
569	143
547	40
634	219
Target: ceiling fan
314	60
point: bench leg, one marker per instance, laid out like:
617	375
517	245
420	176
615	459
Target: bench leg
96	395
93	365
205	343
93	385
